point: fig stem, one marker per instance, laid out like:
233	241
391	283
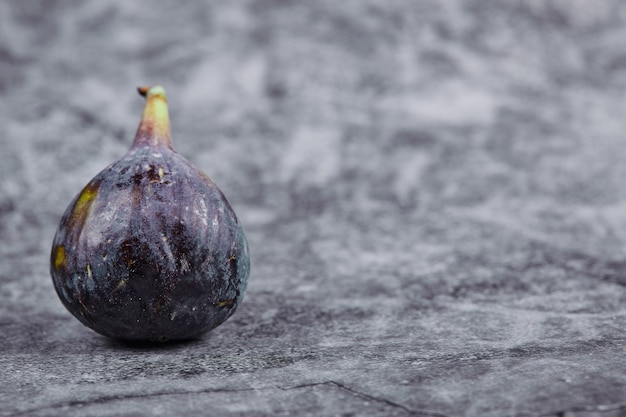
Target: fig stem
154	128
143	91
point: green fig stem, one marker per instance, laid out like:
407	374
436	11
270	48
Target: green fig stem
154	128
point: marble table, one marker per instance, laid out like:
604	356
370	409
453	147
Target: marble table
434	195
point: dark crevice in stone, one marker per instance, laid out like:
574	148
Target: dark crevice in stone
369	397
111	398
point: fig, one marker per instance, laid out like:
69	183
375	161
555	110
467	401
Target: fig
150	249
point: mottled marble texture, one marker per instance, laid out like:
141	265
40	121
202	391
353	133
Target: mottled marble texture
433	194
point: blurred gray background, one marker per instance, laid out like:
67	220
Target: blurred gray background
433	191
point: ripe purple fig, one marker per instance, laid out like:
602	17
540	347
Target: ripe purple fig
150	249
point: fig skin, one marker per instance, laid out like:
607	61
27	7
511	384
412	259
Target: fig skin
150	249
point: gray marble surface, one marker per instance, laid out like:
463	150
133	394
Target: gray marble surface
434	195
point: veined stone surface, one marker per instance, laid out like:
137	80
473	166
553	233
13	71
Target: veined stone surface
433	192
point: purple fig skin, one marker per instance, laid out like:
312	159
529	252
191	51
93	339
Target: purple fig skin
150	250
